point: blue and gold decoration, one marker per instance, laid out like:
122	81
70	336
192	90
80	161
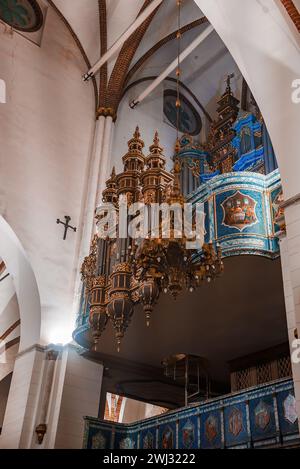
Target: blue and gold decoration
236	431
242	212
188	431
22	15
261	417
210	433
148	438
167	436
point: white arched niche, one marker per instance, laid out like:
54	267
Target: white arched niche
17	263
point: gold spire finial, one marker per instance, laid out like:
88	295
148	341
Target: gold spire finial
137	134
113	173
228	81
177	146
156	148
156	138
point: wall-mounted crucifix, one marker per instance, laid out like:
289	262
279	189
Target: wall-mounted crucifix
66	225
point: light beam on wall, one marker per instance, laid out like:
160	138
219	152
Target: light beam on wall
2	92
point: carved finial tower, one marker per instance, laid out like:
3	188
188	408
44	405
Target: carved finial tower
222	134
155	177
110	193
134	163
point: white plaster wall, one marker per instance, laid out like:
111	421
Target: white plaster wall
46	129
149	116
9	315
24	283
135	411
9	311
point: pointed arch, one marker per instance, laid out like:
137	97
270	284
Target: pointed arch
19	267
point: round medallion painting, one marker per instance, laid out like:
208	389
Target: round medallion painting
23	15
190	121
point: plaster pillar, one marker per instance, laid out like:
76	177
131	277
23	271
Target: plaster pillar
18	425
92	187
78	391
99	169
52	390
105	165
290	261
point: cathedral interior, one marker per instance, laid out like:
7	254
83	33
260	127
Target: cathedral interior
140	342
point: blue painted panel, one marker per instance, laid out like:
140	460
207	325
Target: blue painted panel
148	438
262	418
167	436
240	212
287	412
210	432
262	423
235	418
188	432
125	439
208	222
98	438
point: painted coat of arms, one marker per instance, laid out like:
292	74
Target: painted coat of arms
167	439
239	211
148	441
262	415
127	443
98	441
235	422
211	428
188	434
289	407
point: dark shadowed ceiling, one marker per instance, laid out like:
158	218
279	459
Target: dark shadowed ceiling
242	313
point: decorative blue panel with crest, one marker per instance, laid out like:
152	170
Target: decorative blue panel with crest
148	438
211	432
261	416
167	435
236	426
242	212
188	431
125	438
287	412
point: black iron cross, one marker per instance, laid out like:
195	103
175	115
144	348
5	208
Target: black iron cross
229	78
66	225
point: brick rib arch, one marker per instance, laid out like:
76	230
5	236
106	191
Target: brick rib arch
103	49
293	12
117	78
